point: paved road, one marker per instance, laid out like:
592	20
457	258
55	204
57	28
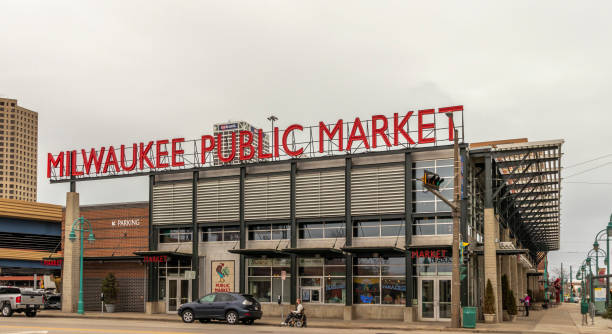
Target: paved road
18	324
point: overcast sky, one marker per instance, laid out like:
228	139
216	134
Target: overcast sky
114	72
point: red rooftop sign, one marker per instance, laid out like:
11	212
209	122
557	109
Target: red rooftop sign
424	127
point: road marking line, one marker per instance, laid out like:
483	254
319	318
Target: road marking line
105	330
34	332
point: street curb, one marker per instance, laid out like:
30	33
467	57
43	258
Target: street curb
336	326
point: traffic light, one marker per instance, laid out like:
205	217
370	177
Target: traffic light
432	180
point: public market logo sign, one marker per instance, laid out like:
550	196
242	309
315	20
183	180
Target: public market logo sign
426	127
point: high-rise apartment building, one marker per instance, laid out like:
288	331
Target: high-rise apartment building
226	130
18	151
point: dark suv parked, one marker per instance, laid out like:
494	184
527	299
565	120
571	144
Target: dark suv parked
232	307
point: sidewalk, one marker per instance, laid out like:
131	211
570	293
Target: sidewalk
560	319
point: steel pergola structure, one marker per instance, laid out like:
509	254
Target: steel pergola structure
527	192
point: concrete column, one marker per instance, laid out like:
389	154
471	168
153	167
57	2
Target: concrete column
523	280
500	315
490	253
70	268
514	284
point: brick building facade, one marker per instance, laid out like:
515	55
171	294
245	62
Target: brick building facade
120	230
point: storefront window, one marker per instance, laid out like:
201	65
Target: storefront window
432	226
174	235
221	233
322	280
268	231
264	279
379	280
425	201
379	228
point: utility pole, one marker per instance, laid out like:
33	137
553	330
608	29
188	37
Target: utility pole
455	206
456	281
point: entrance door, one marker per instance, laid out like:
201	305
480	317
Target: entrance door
179	292
434	298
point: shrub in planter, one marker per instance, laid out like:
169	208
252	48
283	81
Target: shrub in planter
109	289
489	303
511	304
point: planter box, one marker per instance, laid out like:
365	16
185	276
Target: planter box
490	318
110	308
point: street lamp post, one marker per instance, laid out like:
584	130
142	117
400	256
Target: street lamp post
608	232
78	224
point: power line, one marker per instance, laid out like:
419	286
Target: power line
588	170
586	162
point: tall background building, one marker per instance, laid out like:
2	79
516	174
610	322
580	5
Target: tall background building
18	151
226	130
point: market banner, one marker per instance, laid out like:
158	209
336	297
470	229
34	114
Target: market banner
222	278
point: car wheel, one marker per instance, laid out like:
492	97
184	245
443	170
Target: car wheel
204	321
30	313
187	316
249	322
7	310
231	317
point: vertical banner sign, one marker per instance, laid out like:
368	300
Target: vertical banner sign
222	279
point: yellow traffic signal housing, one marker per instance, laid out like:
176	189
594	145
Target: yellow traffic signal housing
432	180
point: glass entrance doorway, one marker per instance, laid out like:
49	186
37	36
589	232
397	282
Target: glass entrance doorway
435	298
179	292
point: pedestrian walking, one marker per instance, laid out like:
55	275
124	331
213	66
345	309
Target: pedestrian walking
526	302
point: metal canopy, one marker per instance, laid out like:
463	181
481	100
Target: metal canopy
531	174
258	252
370	250
313	251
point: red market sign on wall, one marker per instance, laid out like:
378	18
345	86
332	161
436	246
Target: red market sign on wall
155	259
425	127
52	263
430	253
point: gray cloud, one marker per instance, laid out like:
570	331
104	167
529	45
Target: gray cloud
114	72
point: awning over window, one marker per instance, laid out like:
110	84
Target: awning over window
258	252
372	250
313	251
162	253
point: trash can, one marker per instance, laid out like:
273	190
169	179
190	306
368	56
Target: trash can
469	317
584	308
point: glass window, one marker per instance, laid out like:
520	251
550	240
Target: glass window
432	226
366	290
379	280
322	230
264	280
177	235
221	233
394	291
379	228
335	291
268	232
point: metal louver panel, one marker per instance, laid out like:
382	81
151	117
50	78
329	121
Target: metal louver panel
266	197
319	194
377	190
219	200
172	203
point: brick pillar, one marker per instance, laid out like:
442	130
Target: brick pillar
490	252
70	268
